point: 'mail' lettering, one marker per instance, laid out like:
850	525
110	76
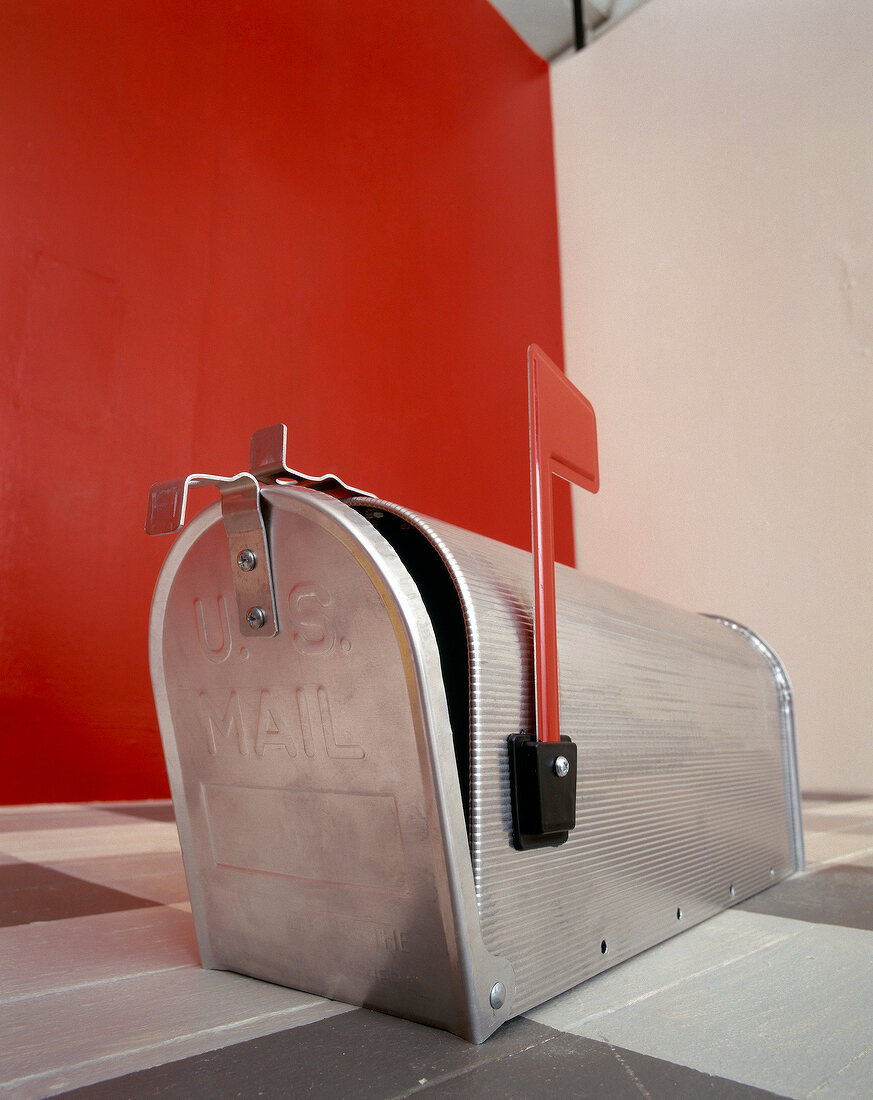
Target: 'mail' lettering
226	723
294	721
274	728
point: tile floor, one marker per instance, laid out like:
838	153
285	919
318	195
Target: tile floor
101	994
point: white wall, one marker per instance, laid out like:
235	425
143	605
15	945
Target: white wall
715	188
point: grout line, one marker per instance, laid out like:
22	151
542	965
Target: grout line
426	1083
832	1077
837	808
97	983
641	1088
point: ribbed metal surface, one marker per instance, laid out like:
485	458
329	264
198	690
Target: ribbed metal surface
684	798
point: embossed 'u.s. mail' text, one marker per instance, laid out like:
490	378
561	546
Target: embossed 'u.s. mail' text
294	720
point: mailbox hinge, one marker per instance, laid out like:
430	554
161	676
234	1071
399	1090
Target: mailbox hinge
244	521
246	541
542	781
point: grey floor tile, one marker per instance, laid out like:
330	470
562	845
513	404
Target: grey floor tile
30	892
838	893
150	811
365	1054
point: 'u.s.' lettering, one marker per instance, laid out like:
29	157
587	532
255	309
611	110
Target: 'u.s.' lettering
212	622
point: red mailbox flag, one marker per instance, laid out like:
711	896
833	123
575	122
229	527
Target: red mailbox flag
563	443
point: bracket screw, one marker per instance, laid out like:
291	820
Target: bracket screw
256	618
247	560
562	766
498	995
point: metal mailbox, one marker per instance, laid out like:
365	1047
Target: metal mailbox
337	680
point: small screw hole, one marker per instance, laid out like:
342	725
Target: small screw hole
678	914
604	947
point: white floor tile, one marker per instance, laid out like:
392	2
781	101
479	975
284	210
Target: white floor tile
36	959
822	847
794	1015
20	818
44	845
721	941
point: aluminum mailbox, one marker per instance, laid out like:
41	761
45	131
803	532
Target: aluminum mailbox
341	772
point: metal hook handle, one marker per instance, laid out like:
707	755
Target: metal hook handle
267	463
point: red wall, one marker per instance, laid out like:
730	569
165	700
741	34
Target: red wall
214	216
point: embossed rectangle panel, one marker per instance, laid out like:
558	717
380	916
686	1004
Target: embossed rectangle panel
325	836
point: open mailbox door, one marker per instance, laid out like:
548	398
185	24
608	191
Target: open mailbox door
348	693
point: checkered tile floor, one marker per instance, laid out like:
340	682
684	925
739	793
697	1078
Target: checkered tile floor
101	993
